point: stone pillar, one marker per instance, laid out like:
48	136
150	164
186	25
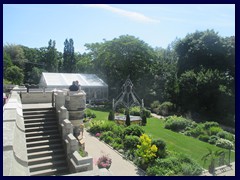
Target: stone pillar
59	99
75	102
72	144
67	128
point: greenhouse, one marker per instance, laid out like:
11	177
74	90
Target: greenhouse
95	88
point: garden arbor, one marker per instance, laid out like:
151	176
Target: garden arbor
128	98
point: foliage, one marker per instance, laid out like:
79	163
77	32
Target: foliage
118	130
203	137
14	74
69	60
225	135
111	116
214	130
213	139
104	162
166	108
176	164
130	142
88	113
144	120
212	156
161	146
127	122
176	123
224	143
134	130
146	151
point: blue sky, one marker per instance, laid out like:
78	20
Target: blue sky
156	24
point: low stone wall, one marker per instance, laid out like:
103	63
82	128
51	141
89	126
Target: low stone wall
14	142
36	97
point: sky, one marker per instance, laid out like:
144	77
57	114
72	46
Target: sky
158	25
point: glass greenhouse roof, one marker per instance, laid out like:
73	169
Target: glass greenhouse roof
66	79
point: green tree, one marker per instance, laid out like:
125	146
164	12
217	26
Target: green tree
7	62
128	121
14	74
69	61
51	57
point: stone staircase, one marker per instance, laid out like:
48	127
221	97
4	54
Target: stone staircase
45	151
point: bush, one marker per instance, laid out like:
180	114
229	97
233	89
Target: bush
177	123
213	139
118	140
118	130
214	130
198	130
209	124
135	111
111	116
203	137
155	104
226	135
161	145
134	130
166	108
88	113
104	162
224	143
177	164
104	136
127	122
131	142
147	113
117	146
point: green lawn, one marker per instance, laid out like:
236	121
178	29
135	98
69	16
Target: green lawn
175	141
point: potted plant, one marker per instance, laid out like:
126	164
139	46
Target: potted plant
104	162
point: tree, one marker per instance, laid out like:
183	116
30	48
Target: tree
116	59
51	60
7	62
69	62
128	121
14	74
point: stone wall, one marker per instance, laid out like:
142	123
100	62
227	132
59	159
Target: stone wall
36	97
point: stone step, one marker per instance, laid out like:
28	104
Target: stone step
38	109
42	137
36	116
39	112
41	133
45	159
61	170
37	124
41	128
45	153
26	121
44	142
44	148
48	165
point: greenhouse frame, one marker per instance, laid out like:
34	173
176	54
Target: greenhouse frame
95	88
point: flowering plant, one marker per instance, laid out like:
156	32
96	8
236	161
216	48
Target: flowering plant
98	135
104	162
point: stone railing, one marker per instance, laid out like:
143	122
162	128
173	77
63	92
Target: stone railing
36	97
75	161
14	142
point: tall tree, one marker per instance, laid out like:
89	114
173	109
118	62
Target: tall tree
69	62
51	60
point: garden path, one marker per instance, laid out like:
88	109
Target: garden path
119	167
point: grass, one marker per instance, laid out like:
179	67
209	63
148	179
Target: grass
194	148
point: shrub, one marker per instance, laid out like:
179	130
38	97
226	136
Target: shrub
118	140
118	130
214	130
127	122
155	104
105	135
147	113
161	145
134	130
203	137
224	143
144	120
209	124
213	139
135	111
226	135
166	108
198	130
107	126
130	142
111	116
88	113
176	164
177	123
117	146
